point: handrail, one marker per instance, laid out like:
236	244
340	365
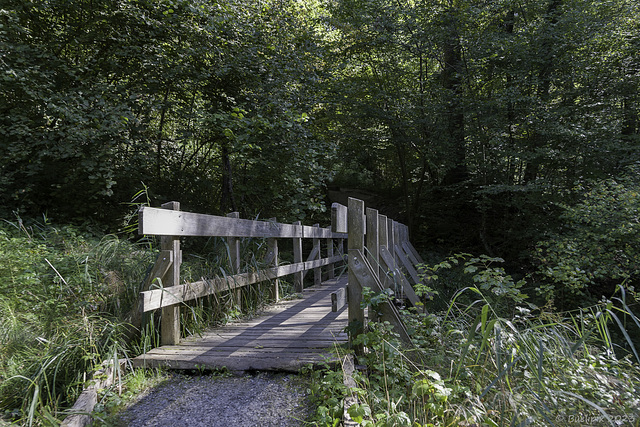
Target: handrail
389	254
171	224
164	222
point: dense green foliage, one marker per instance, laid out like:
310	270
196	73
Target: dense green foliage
480	116
510	129
598	245
202	101
469	365
471	120
66	298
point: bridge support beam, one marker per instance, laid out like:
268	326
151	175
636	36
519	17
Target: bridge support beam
356	227
170	325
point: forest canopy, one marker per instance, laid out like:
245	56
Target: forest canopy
504	134
481	125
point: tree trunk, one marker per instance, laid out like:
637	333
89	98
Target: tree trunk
163	114
546	55
227	202
452	83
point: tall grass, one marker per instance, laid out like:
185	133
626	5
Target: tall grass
68	300
471	366
65	297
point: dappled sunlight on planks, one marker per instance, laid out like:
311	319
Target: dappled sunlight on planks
289	336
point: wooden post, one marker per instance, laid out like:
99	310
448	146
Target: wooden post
331	272
338	218
298	278
390	236
338	225
373	240
383	242
396	235
170	325
272	260
234	260
317	272
372	252
356	227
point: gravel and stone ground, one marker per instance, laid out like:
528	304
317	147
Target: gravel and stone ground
263	399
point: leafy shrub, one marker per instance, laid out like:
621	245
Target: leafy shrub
468	366
599	243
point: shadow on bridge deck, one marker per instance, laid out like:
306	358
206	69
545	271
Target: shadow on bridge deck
286	337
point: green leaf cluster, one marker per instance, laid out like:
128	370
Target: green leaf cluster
598	246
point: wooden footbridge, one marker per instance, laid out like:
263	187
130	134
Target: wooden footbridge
291	333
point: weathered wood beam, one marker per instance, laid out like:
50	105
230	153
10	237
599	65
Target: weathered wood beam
170	320
390	264
356	226
366	276
272	259
80	413
415	256
158	298
338	218
298	277
161	222
338	299
317	272
402	256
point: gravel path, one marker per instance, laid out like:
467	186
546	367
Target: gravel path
263	399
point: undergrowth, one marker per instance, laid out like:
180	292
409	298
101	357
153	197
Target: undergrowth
65	299
476	363
68	300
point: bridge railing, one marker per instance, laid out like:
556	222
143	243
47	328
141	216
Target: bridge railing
171	225
379	256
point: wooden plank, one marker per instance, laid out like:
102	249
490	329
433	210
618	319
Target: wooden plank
373	248
390	236
160	222
417	259
235	364
391	266
292	334
270	341
373	240
402	256
158	298
80	413
410	255
338	299
313	232
239	351
396	239
383	241
338	218
366	276
157	222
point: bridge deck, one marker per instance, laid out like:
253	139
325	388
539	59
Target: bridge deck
286	337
